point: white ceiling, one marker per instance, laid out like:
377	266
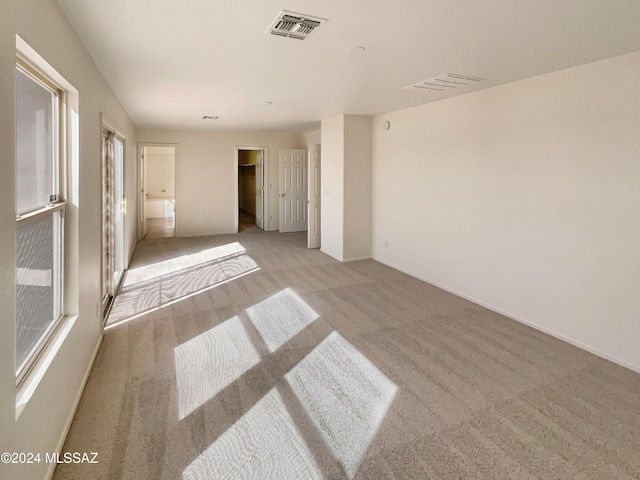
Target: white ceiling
171	62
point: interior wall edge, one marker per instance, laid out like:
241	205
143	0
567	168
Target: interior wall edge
336	257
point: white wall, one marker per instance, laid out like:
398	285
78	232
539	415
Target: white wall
42	424
357	187
312	138
160	175
332	185
346	187
206	172
524	198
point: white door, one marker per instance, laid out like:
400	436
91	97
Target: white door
260	189
293	190
313	210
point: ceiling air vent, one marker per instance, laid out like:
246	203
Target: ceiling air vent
445	82
295	25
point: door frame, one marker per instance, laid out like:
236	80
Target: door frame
141	177
265	184
112	284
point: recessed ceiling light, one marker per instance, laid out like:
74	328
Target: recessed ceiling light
267	102
358	50
210	117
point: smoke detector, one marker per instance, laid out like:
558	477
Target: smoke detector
444	82
295	25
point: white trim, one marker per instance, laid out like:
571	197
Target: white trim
193	235
564	338
31	64
39	368
131	252
40	212
236	200
35	59
356	259
72	413
140	193
111	126
340	259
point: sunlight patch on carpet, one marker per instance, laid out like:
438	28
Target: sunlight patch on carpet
346	397
281	317
176	264
210	362
263	444
184	284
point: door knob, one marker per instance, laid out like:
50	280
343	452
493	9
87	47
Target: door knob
282	194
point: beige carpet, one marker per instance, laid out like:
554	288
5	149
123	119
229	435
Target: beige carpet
249	356
160	228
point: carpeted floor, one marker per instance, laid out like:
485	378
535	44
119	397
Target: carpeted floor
249	356
246	220
160	228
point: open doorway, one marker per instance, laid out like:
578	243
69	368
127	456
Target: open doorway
158	192
251	163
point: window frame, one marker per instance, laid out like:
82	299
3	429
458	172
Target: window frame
51	208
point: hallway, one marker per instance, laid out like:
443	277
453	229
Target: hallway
160	228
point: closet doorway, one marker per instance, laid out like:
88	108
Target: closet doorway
251	164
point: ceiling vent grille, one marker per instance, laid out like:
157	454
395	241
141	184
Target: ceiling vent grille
445	82
295	25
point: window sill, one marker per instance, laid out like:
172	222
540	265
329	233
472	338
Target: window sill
39	369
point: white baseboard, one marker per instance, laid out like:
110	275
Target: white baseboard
356	259
331	255
194	235
575	343
135	244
